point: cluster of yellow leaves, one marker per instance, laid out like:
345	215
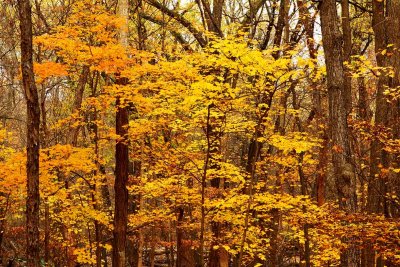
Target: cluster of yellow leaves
45	70
87	39
84	256
298	142
5	149
12	177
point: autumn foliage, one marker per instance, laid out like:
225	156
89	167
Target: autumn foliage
229	136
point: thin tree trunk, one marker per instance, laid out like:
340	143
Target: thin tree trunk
269	27
283	11
78	101
203	187
46	232
121	158
121	192
303	185
152	255
347	51
214	16
217	257
135	245
317	111
141	29
375	199
33	123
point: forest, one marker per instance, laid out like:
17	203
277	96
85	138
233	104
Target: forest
200	133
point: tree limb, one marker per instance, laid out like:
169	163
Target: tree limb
177	35
178	17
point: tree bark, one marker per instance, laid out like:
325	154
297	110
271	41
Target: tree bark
78	101
121	158
33	123
340	143
389	112
283	11
375	199
141	29
332	43
347	51
198	35
217	257
308	20
214	16
184	252
121	192
135	245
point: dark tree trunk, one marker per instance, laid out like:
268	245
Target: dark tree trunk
388	112
32	145
347	51
217	257
214	16
184	252
283	11
141	29
121	158
340	146
135	244
121	192
218	6
376	187
46	232
332	42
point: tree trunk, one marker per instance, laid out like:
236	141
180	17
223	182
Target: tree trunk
135	245
32	146
217	257
184	252
78	101
317	111
283	11
375	199
121	159
214	16
340	146
46	232
121	192
347	51
141	29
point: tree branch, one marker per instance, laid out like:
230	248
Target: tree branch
177	35
178	17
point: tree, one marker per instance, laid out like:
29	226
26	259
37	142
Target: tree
121	156
338	103
32	144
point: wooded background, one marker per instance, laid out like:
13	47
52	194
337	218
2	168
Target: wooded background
199	133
